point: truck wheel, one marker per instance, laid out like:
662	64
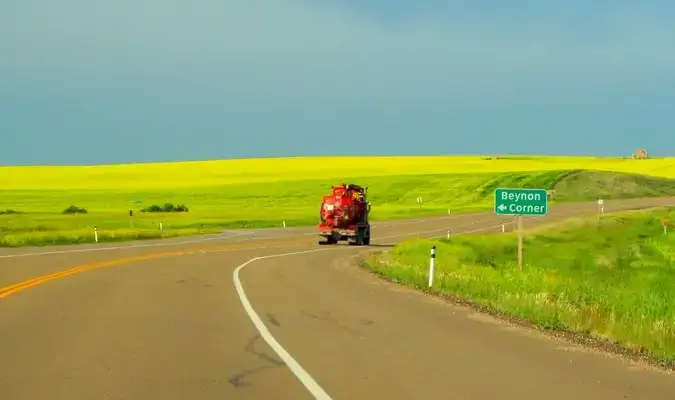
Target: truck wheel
360	235
366	238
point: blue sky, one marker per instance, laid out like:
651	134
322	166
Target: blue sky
87	82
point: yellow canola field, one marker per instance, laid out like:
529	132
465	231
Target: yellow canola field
222	172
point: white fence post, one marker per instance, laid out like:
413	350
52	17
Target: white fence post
432	264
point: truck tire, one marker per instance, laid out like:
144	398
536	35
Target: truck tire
366	238
360	236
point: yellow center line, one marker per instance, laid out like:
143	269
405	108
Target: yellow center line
17	287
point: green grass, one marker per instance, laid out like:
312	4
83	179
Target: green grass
267	204
613	279
591	185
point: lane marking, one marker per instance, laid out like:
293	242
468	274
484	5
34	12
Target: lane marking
305	378
436	230
139	246
20	286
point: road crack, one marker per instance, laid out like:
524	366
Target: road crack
238	380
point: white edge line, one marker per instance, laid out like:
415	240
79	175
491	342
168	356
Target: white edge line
305	378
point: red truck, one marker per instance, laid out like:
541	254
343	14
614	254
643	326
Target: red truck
344	215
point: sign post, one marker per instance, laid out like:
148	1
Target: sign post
520	242
521	202
665	226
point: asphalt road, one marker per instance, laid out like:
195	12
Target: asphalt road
273	315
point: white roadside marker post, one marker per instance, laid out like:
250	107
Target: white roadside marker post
432	264
95	234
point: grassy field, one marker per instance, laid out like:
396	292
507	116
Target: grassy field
265	192
612	279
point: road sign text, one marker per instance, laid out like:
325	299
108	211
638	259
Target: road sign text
521	201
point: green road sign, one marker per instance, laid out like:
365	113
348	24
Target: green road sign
521	202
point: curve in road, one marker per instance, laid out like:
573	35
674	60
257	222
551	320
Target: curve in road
170	325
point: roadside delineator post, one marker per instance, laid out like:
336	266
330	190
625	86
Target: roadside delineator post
283	223
432	264
448	234
665	226
503	228
95	234
161	226
601	206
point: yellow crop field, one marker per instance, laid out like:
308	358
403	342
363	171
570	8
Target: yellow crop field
251	193
224	172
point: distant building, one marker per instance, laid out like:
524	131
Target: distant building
640	154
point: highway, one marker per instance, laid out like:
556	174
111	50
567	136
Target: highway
270	314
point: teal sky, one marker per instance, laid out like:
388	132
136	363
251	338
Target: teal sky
87	82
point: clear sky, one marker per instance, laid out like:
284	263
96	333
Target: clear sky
86	81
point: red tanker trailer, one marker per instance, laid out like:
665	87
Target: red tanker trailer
344	215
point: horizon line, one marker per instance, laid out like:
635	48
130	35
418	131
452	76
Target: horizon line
457	155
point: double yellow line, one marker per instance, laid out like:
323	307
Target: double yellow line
17	287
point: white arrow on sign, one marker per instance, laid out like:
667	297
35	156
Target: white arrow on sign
501	207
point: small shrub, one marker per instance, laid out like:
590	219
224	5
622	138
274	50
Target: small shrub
75	210
152	208
8	212
168	207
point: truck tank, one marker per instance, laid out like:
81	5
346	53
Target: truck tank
344	215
